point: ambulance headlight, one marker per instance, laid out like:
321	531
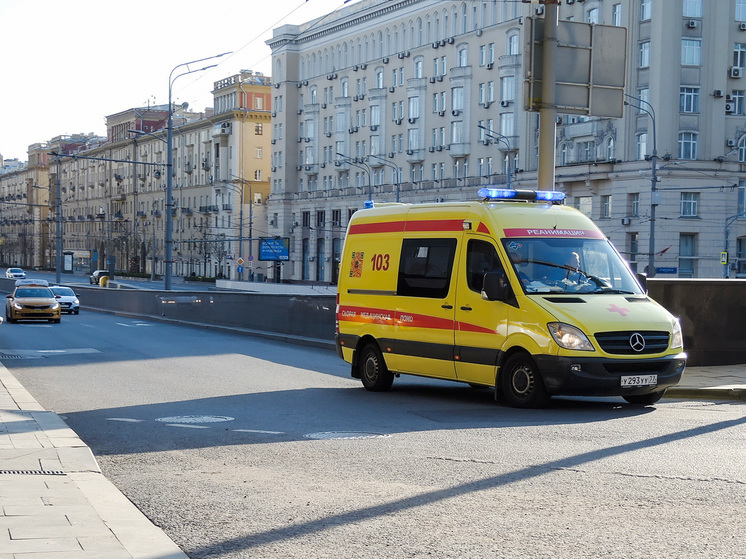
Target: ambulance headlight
569	337
677	340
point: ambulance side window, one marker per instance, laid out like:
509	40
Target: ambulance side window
425	267
481	257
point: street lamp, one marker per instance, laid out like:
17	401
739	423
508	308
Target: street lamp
364	166
58	219
240	224
653	180
394	167
169	237
500	138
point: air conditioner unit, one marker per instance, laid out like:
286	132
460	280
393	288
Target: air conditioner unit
431	149
354	68
257	198
400	55
439	148
391	154
441	113
363	66
271	221
439	78
728	97
305	82
328	134
323	165
692	24
455	112
735	72
451	40
373	127
505	103
412	120
432	80
479	32
742	26
410	152
626	221
398	121
274	114
362	96
300	111
490	65
323	105
436	45
274	169
730	107
385	59
717	93
299	167
277	86
392	89
274	141
355	98
487	104
486	141
299	85
539	10
731	143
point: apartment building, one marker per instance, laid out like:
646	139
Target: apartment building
421	100
113	190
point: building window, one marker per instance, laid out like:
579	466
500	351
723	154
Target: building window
586	151
742	150
687	255
457	131
634	248
592	16
689	99
740	10
462	57
585	204
457	98
507	121
642	146
644	60
259	102
606	206
687	145
634	204
691	52
692	8
616	15
507	88
418	68
689	204
739	55
258	129
646	9
513	44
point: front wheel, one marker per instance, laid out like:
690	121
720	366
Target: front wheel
373	371
644	399
521	383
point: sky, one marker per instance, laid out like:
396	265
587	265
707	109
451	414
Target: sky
67	65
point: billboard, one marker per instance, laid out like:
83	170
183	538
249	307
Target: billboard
274	248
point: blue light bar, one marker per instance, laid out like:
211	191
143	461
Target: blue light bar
368	204
488	193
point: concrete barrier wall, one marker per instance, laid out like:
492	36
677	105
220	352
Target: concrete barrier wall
712	312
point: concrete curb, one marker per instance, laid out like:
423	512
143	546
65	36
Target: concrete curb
738	394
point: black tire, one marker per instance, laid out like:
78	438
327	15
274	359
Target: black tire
373	371
521	383
76	312
644	399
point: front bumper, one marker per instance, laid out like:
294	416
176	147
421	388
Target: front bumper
594	376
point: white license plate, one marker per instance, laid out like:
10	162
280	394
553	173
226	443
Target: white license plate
640	380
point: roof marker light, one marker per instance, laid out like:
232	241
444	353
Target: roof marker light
368	204
488	193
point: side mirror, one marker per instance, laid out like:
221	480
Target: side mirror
643	279
495	287
9	296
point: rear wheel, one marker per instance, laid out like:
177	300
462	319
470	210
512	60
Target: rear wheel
521	383
644	399
373	371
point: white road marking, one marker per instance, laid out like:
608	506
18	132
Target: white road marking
187	426
125	419
257	431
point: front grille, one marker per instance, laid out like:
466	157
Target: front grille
619	342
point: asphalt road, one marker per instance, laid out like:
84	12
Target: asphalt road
242	447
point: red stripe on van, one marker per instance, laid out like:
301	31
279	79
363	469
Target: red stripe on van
420	225
382	227
370	315
466	327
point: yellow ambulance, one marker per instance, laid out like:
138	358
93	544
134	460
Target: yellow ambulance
515	290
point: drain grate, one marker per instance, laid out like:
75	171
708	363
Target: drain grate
33	472
10	356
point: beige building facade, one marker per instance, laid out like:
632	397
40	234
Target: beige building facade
421	100
112	191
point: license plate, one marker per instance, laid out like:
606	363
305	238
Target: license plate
640	380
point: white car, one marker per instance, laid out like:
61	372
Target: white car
15	273
67	299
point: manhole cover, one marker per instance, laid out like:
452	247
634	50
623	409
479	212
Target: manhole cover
195	419
328	435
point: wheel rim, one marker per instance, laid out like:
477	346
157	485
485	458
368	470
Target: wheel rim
522	381
370	369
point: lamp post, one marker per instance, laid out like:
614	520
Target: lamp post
500	138
169	240
653	180
364	166
244	182
394	167
58	217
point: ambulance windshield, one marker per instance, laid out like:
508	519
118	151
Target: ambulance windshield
569	265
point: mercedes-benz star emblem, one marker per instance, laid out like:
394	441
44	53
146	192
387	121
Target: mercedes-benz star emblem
637	342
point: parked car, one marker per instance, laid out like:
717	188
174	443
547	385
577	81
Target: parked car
97	274
32	300
15	273
67	299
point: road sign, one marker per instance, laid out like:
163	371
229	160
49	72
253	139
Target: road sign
276	248
590	65
240	261
723	257
239	269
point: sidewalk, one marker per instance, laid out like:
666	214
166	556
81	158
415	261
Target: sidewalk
54	500
56	503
